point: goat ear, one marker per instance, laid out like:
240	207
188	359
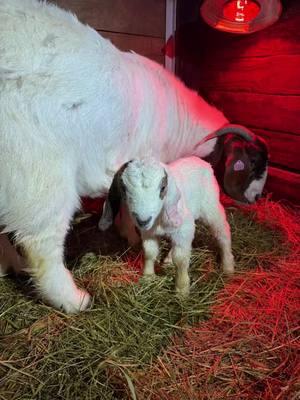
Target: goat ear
237	174
215	157
172	206
106	219
113	202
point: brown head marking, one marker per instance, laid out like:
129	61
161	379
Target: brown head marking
163	186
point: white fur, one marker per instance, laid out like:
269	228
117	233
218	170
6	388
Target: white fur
256	187
73	108
192	193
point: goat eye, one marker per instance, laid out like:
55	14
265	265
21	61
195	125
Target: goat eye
163	187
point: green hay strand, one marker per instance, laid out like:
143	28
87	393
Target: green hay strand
46	354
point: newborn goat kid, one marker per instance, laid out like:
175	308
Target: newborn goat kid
165	200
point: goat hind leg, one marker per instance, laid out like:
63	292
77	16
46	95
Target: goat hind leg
168	259
222	233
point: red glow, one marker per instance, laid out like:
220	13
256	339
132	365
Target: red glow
93	206
169	47
240	16
241	10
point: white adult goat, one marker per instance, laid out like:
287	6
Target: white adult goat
165	200
73	108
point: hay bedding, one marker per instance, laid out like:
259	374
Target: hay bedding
235	338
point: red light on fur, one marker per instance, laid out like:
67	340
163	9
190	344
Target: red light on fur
241	10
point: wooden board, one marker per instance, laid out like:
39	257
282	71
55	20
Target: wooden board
284	185
195	39
150	47
254	79
278	113
127	16
266	75
283	147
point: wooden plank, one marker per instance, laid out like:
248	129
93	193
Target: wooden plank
282	38
266	75
127	16
284	185
196	41
283	147
278	113
147	46
254	79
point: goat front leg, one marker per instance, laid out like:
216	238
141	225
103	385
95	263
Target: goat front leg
181	255
42	236
181	259
39	214
54	282
151	251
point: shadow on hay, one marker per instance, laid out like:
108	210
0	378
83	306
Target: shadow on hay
250	240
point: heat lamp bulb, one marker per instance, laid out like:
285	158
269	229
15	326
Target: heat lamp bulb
240	16
241	10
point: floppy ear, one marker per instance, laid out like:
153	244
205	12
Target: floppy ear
106	219
237	174
215	157
113	202
172	205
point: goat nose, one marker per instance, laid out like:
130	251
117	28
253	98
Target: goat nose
257	197
142	222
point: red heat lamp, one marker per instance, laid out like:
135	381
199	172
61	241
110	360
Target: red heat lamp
240	16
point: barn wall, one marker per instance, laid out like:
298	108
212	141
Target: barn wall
254	79
130	24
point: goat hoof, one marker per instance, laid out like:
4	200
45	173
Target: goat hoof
82	302
3	271
183	291
228	269
148	277
167	261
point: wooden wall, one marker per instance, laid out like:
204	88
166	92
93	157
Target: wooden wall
130	24
254	79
